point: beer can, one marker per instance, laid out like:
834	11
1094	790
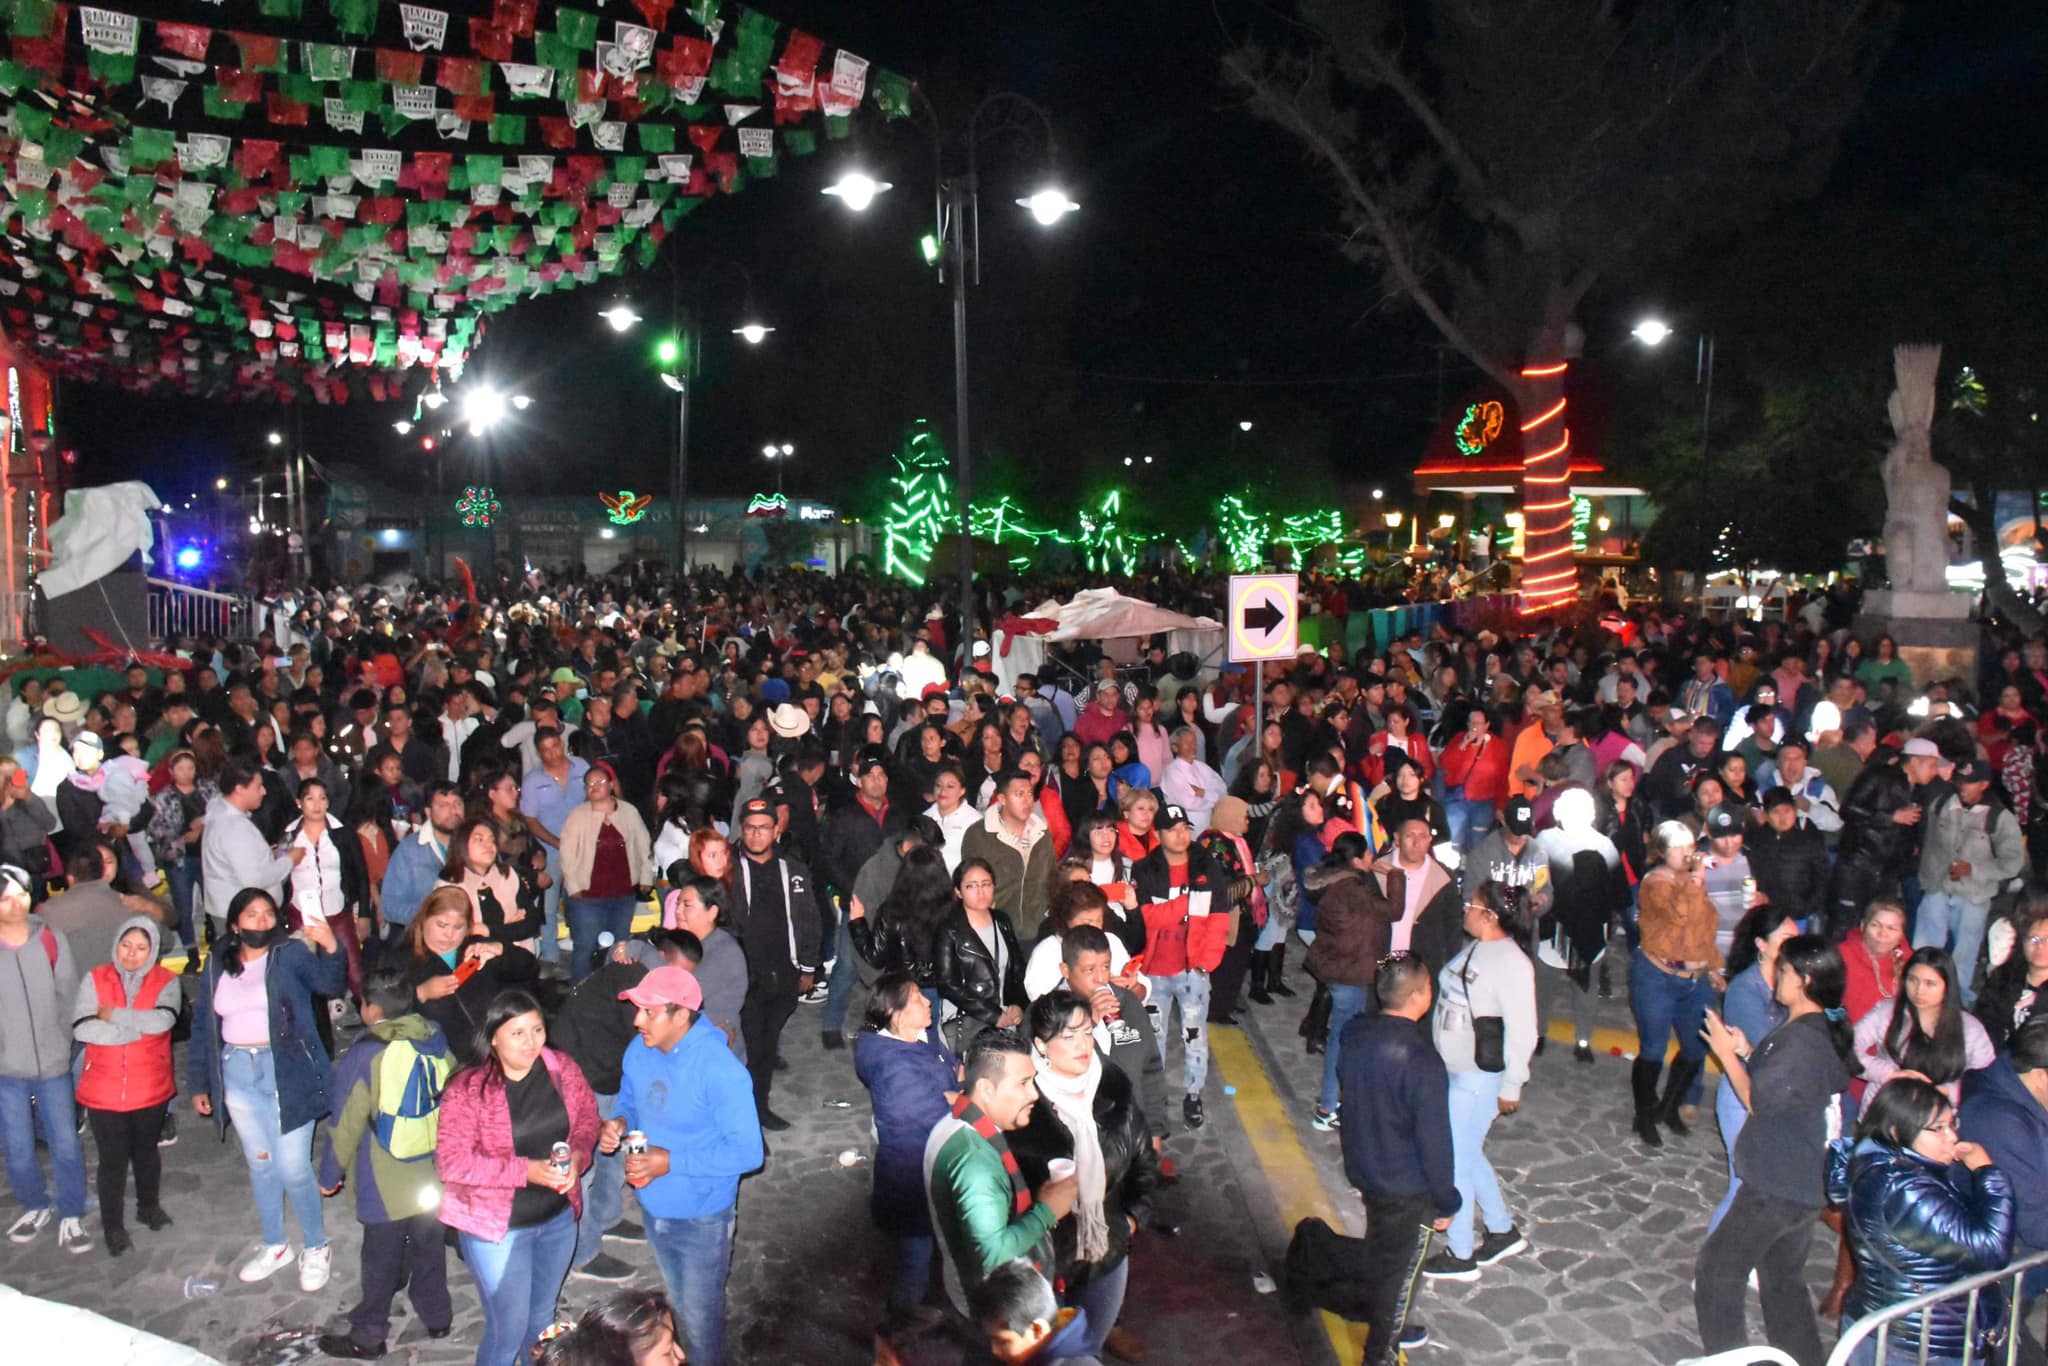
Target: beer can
558	1157
636	1142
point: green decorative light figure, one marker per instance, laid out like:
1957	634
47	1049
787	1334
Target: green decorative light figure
921	510
478	505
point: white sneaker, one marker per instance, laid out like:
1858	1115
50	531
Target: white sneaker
268	1260
25	1229
72	1237
315	1264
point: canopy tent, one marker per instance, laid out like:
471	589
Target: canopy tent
1095	614
298	198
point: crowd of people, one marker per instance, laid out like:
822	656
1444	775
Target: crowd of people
479	911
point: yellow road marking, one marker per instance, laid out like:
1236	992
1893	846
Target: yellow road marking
1289	1172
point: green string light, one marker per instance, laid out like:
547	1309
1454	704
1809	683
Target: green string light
922	510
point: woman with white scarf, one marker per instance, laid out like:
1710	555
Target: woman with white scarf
1088	1114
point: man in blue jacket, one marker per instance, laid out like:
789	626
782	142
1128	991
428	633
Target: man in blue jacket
1395	1098
2005	1110
682	1087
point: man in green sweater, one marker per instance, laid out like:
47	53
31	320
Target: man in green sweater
983	1213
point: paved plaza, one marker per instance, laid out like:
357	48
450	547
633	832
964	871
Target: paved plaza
1606	1281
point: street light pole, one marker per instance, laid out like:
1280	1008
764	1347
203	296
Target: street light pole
963	212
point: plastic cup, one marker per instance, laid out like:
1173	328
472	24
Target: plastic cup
1060	1168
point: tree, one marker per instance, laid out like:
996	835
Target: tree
1496	160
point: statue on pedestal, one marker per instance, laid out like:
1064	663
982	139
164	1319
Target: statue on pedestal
1916	488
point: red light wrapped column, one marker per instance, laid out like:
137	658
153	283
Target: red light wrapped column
1550	574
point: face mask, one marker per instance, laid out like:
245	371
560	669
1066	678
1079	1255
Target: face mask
258	939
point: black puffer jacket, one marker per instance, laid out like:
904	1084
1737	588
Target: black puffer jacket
1791	869
1130	1166
1916	1227
967	974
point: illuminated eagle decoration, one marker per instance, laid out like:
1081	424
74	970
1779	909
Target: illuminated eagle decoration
625	506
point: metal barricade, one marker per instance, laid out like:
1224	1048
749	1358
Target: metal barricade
1876	1329
180	609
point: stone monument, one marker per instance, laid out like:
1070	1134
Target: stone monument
1929	620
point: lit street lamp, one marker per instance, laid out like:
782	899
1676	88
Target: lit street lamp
780	456
1652	332
958	251
752	333
621	317
277	438
857	190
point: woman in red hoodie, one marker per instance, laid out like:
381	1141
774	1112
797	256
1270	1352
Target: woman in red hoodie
1475	769
504	1188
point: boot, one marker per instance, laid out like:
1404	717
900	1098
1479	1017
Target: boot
1260	996
1683	1074
1315	1026
1845	1267
1276	971
1642	1078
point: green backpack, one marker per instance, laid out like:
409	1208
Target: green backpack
409	1084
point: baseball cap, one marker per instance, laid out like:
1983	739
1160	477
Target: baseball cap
1520	816
1722	820
1171	814
1971	771
931	690
1921	748
868	759
666	986
1539	697
1779	796
759	806
1677	716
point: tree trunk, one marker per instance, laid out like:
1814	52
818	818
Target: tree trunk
1549	569
1980	515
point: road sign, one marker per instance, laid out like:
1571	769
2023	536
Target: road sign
1265	617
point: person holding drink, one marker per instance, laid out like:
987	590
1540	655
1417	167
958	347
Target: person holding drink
687	1122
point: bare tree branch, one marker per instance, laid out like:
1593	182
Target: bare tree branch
1287	110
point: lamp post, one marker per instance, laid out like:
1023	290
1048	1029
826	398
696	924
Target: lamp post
957	207
1653	332
678	355
778	456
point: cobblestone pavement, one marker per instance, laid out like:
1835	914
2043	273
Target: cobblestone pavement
1613	1233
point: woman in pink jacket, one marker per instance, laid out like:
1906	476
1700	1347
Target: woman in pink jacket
504	1188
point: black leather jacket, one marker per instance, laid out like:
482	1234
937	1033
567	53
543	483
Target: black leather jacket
887	947
966	974
1915	1227
1131	1168
1870	837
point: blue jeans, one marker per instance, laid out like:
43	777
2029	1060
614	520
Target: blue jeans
54	1116
518	1278
1470	820
183	877
1475	1105
1731	1114
839	986
913	1272
604	1192
551	908
590	917
695	1256
1947	919
1102	1300
1345	1002
1663	1005
280	1164
1189	990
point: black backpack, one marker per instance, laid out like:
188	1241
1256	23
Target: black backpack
1326	1270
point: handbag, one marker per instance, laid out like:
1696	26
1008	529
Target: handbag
1489	1032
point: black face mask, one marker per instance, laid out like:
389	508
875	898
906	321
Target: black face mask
258	939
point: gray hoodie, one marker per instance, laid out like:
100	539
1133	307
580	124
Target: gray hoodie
35	1001
126	1025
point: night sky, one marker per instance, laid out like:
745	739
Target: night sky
1198	286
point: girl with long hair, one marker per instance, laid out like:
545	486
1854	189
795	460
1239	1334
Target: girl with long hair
1792	1083
1923	1032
